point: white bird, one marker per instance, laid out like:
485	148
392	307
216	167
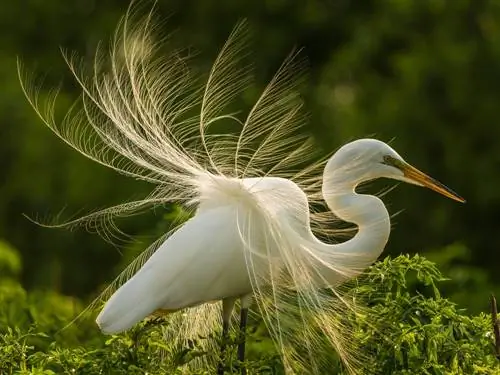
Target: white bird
251	234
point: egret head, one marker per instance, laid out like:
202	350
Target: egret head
368	159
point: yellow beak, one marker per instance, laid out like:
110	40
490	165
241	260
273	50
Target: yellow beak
421	178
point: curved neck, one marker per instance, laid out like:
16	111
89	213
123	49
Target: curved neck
367	212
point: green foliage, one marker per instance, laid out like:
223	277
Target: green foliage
10	262
418	331
408	328
470	286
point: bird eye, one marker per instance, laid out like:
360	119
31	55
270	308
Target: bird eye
392	161
389	160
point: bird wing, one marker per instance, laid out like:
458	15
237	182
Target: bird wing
202	261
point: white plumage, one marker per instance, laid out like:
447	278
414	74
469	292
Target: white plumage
204	260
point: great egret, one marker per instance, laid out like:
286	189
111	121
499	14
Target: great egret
252	235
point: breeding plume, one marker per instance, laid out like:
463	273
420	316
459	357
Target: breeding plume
253	236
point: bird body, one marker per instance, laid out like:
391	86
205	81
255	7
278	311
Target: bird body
211	246
205	260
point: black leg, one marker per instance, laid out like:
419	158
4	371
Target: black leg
241	345
225	331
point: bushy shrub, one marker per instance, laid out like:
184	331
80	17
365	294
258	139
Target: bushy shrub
408	328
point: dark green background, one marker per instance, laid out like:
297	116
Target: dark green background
423	73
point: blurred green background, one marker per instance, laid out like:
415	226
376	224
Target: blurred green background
422	73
